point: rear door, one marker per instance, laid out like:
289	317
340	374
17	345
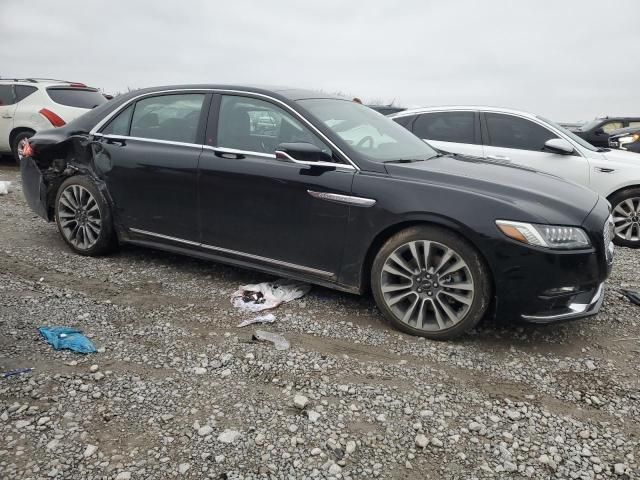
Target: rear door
257	207
453	131
7	111
514	139
148	156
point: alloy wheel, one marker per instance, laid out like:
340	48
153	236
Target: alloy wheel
79	217
427	285
626	218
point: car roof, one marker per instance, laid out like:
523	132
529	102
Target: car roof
282	92
43	82
453	108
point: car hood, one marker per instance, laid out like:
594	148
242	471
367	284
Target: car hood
622	157
557	201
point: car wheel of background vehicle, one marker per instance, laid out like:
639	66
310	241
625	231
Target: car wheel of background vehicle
430	282
626	217
84	217
18	144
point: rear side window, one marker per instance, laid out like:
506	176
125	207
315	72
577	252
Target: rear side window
405	121
455	127
6	95
23	91
120	124
76	97
509	131
168	117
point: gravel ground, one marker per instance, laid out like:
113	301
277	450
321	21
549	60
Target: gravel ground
176	390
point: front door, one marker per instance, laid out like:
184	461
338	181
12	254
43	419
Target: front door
513	139
148	156
255	206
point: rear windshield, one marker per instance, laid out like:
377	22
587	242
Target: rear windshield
76	97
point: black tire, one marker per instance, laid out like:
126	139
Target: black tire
105	240
616	200
475	267
16	141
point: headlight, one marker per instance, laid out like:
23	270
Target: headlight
628	139
549	236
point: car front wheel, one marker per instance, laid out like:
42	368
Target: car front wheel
83	217
430	282
18	144
626	217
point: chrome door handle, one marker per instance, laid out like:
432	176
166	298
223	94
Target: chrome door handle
605	170
497	157
6	116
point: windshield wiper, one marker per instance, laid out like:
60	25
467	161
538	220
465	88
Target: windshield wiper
405	160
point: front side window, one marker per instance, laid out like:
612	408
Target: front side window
6	95
455	127
258	126
611	126
368	134
168	117
509	131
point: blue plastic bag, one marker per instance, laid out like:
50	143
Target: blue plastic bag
61	338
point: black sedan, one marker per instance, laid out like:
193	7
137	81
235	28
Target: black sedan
325	190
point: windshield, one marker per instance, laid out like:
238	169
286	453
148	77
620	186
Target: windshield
370	134
580	141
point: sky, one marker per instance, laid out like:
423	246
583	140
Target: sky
568	60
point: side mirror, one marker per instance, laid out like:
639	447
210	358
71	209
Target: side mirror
558	145
302	152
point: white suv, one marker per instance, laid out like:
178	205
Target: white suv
504	135
29	105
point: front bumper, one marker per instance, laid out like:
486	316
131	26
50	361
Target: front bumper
574	310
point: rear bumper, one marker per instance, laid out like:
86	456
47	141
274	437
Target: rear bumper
581	306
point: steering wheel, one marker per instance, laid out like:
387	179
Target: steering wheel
364	140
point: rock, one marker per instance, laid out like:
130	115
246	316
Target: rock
421	440
510	467
199	371
619	468
205	430
219	458
89	451
316	451
93	368
300	401
313	416
183	467
335	469
350	447
590	365
259	440
229	436
436	442
123	476
544	459
475	426
22	423
381	418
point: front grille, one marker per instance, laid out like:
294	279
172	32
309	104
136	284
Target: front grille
608	234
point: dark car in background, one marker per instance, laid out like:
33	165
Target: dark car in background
597	131
322	189
626	139
386	109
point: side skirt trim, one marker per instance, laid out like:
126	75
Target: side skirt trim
272	261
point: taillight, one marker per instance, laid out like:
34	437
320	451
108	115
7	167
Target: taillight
55	120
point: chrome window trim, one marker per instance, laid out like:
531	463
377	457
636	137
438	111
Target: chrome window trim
235	252
152	140
345	199
322	136
290	159
239	152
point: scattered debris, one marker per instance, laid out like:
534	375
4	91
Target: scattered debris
61	338
268	295
268	318
278	341
632	295
17	371
4	187
300	401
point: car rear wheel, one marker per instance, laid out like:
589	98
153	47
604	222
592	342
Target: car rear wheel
18	144
430	282
626	217
83	217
